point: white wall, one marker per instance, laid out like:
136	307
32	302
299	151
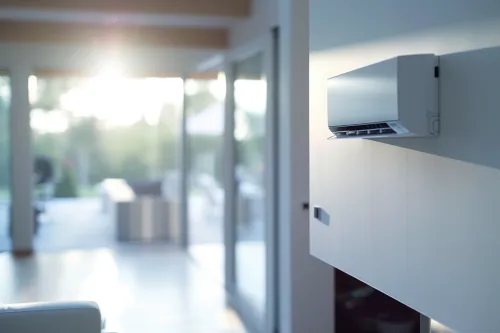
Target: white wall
264	16
417	218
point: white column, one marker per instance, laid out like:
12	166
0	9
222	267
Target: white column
229	181
306	284
21	162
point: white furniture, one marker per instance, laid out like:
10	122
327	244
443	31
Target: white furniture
74	317
146	219
139	218
115	190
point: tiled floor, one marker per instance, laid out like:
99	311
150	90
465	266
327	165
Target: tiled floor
140	289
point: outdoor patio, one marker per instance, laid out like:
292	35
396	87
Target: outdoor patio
67	224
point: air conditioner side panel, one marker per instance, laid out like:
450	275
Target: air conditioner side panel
418	94
365	95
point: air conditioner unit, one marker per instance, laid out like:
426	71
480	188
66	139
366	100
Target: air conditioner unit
393	98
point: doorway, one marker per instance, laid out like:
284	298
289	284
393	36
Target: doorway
90	133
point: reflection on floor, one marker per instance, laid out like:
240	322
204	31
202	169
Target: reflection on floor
139	288
251	272
206	228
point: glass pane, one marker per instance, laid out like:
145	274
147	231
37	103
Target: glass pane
249	133
90	129
205	133
5	95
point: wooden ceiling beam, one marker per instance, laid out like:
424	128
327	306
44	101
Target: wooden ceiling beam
226	8
111	35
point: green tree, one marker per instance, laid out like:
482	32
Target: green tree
83	146
49	91
139	151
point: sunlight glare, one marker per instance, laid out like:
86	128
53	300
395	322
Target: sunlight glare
123	101
110	70
218	87
32	88
55	121
191	87
112	98
251	95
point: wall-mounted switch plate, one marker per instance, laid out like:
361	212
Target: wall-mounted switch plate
321	215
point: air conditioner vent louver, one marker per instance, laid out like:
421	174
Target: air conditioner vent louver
367	130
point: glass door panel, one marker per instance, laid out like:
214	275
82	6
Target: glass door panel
205	191
5	200
250	109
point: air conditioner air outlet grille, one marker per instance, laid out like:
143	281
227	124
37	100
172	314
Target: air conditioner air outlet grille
366	130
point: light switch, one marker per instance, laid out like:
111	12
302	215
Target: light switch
321	215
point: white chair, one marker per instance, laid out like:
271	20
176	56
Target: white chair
61	317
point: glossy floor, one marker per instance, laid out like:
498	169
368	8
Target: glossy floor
139	288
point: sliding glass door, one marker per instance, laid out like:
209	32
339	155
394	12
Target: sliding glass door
230	130
91	131
250	144
250	238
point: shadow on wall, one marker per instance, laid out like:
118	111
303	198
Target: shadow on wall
367	25
470	110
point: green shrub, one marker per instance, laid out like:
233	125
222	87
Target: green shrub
66	186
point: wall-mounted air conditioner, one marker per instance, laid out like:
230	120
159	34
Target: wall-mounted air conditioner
393	98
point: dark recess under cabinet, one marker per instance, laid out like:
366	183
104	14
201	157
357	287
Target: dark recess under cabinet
362	309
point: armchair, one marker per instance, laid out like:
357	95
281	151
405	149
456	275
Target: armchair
60	317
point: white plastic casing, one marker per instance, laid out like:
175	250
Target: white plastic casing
393	98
